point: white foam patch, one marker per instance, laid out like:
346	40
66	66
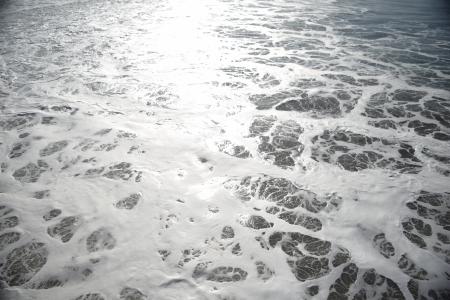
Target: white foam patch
144	93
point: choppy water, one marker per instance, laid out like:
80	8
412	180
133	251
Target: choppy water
224	149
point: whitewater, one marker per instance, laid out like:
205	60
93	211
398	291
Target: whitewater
224	149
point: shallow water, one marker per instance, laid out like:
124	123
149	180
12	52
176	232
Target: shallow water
224	149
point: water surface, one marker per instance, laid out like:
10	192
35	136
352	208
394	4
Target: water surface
224	149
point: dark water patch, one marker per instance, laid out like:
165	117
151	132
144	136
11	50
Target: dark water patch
429	227
303	265
22	263
348	150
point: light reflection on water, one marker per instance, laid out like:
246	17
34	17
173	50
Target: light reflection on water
154	125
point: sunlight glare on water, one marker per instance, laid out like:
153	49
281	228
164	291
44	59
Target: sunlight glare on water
224	149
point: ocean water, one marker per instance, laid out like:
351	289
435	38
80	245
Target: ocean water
216	149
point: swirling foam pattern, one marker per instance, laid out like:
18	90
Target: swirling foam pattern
224	149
